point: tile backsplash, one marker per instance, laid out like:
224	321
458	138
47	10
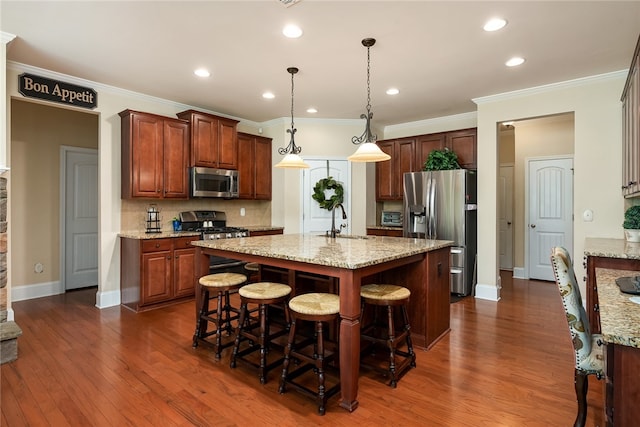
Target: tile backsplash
134	212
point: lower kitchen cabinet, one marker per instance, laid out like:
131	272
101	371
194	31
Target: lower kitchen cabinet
156	272
384	232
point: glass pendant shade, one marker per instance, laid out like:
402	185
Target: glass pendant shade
368	152
292	161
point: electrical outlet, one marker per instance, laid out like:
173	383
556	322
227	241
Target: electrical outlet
242	212
38	267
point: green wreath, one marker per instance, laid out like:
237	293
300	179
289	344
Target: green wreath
319	196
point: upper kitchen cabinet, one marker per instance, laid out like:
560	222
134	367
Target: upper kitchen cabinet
425	144
254	167
631	129
389	173
155	156
463	143
214	140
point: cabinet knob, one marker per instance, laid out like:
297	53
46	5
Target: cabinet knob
596	308
157	245
169	257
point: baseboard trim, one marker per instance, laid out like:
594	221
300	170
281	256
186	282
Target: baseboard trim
107	299
487	292
518	273
36	290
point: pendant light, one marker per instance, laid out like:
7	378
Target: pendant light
291	159
369	150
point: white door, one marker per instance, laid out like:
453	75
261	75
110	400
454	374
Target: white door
80	213
505	201
316	220
550	207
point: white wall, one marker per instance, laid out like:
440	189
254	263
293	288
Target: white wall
596	104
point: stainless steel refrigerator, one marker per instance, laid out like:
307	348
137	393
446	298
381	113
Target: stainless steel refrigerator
442	205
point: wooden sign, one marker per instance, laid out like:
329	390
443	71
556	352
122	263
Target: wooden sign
54	90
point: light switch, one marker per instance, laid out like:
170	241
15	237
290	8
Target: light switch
587	215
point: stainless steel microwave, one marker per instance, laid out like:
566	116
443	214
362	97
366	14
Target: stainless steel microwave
210	182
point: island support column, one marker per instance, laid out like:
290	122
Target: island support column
350	283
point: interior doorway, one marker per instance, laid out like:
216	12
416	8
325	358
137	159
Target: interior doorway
505	219
79	217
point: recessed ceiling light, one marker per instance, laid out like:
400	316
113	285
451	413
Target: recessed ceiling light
312	110
292	31
515	61
494	24
268	95
201	72
392	91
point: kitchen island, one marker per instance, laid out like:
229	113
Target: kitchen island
418	264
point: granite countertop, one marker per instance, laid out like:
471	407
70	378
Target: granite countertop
141	235
350	252
611	248
619	317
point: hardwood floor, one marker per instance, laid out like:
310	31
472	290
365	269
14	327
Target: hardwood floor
503	364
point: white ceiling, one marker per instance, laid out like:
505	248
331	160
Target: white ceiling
435	52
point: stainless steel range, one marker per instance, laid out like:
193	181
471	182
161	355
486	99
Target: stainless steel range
212	225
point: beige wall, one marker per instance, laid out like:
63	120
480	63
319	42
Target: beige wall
596	104
548	136
37	133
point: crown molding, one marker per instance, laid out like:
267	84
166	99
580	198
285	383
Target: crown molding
20	67
472	115
551	87
7	37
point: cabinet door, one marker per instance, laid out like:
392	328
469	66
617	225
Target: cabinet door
425	144
463	143
184	267
204	141
405	162
147	156
176	159
156	277
227	144
385	185
263	168
246	162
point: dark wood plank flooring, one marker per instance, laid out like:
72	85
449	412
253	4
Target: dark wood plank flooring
503	364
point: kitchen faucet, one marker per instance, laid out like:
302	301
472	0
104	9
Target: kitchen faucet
335	232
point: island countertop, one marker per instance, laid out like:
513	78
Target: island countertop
611	248
619	317
350	252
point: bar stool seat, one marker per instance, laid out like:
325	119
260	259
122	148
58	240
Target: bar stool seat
318	308
375	332
218	286
257	332
253	270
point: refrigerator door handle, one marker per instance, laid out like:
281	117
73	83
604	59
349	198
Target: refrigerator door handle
432	204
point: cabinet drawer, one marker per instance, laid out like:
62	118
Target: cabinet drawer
154	245
183	242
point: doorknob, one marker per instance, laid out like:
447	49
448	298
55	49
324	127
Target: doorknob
533	226
508	222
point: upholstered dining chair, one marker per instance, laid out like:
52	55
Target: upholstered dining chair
588	348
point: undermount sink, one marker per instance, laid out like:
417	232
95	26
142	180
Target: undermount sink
347	236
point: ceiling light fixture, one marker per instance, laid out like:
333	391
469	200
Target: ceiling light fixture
268	95
514	62
291	159
312	110
201	72
392	91
292	31
494	24
369	150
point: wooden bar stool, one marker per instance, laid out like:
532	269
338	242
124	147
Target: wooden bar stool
218	286
389	296
253	271
318	308
257	332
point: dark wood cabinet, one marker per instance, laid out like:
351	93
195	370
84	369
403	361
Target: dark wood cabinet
389	173
409	155
157	272
213	140
384	232
155	154
266	232
631	129
254	167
